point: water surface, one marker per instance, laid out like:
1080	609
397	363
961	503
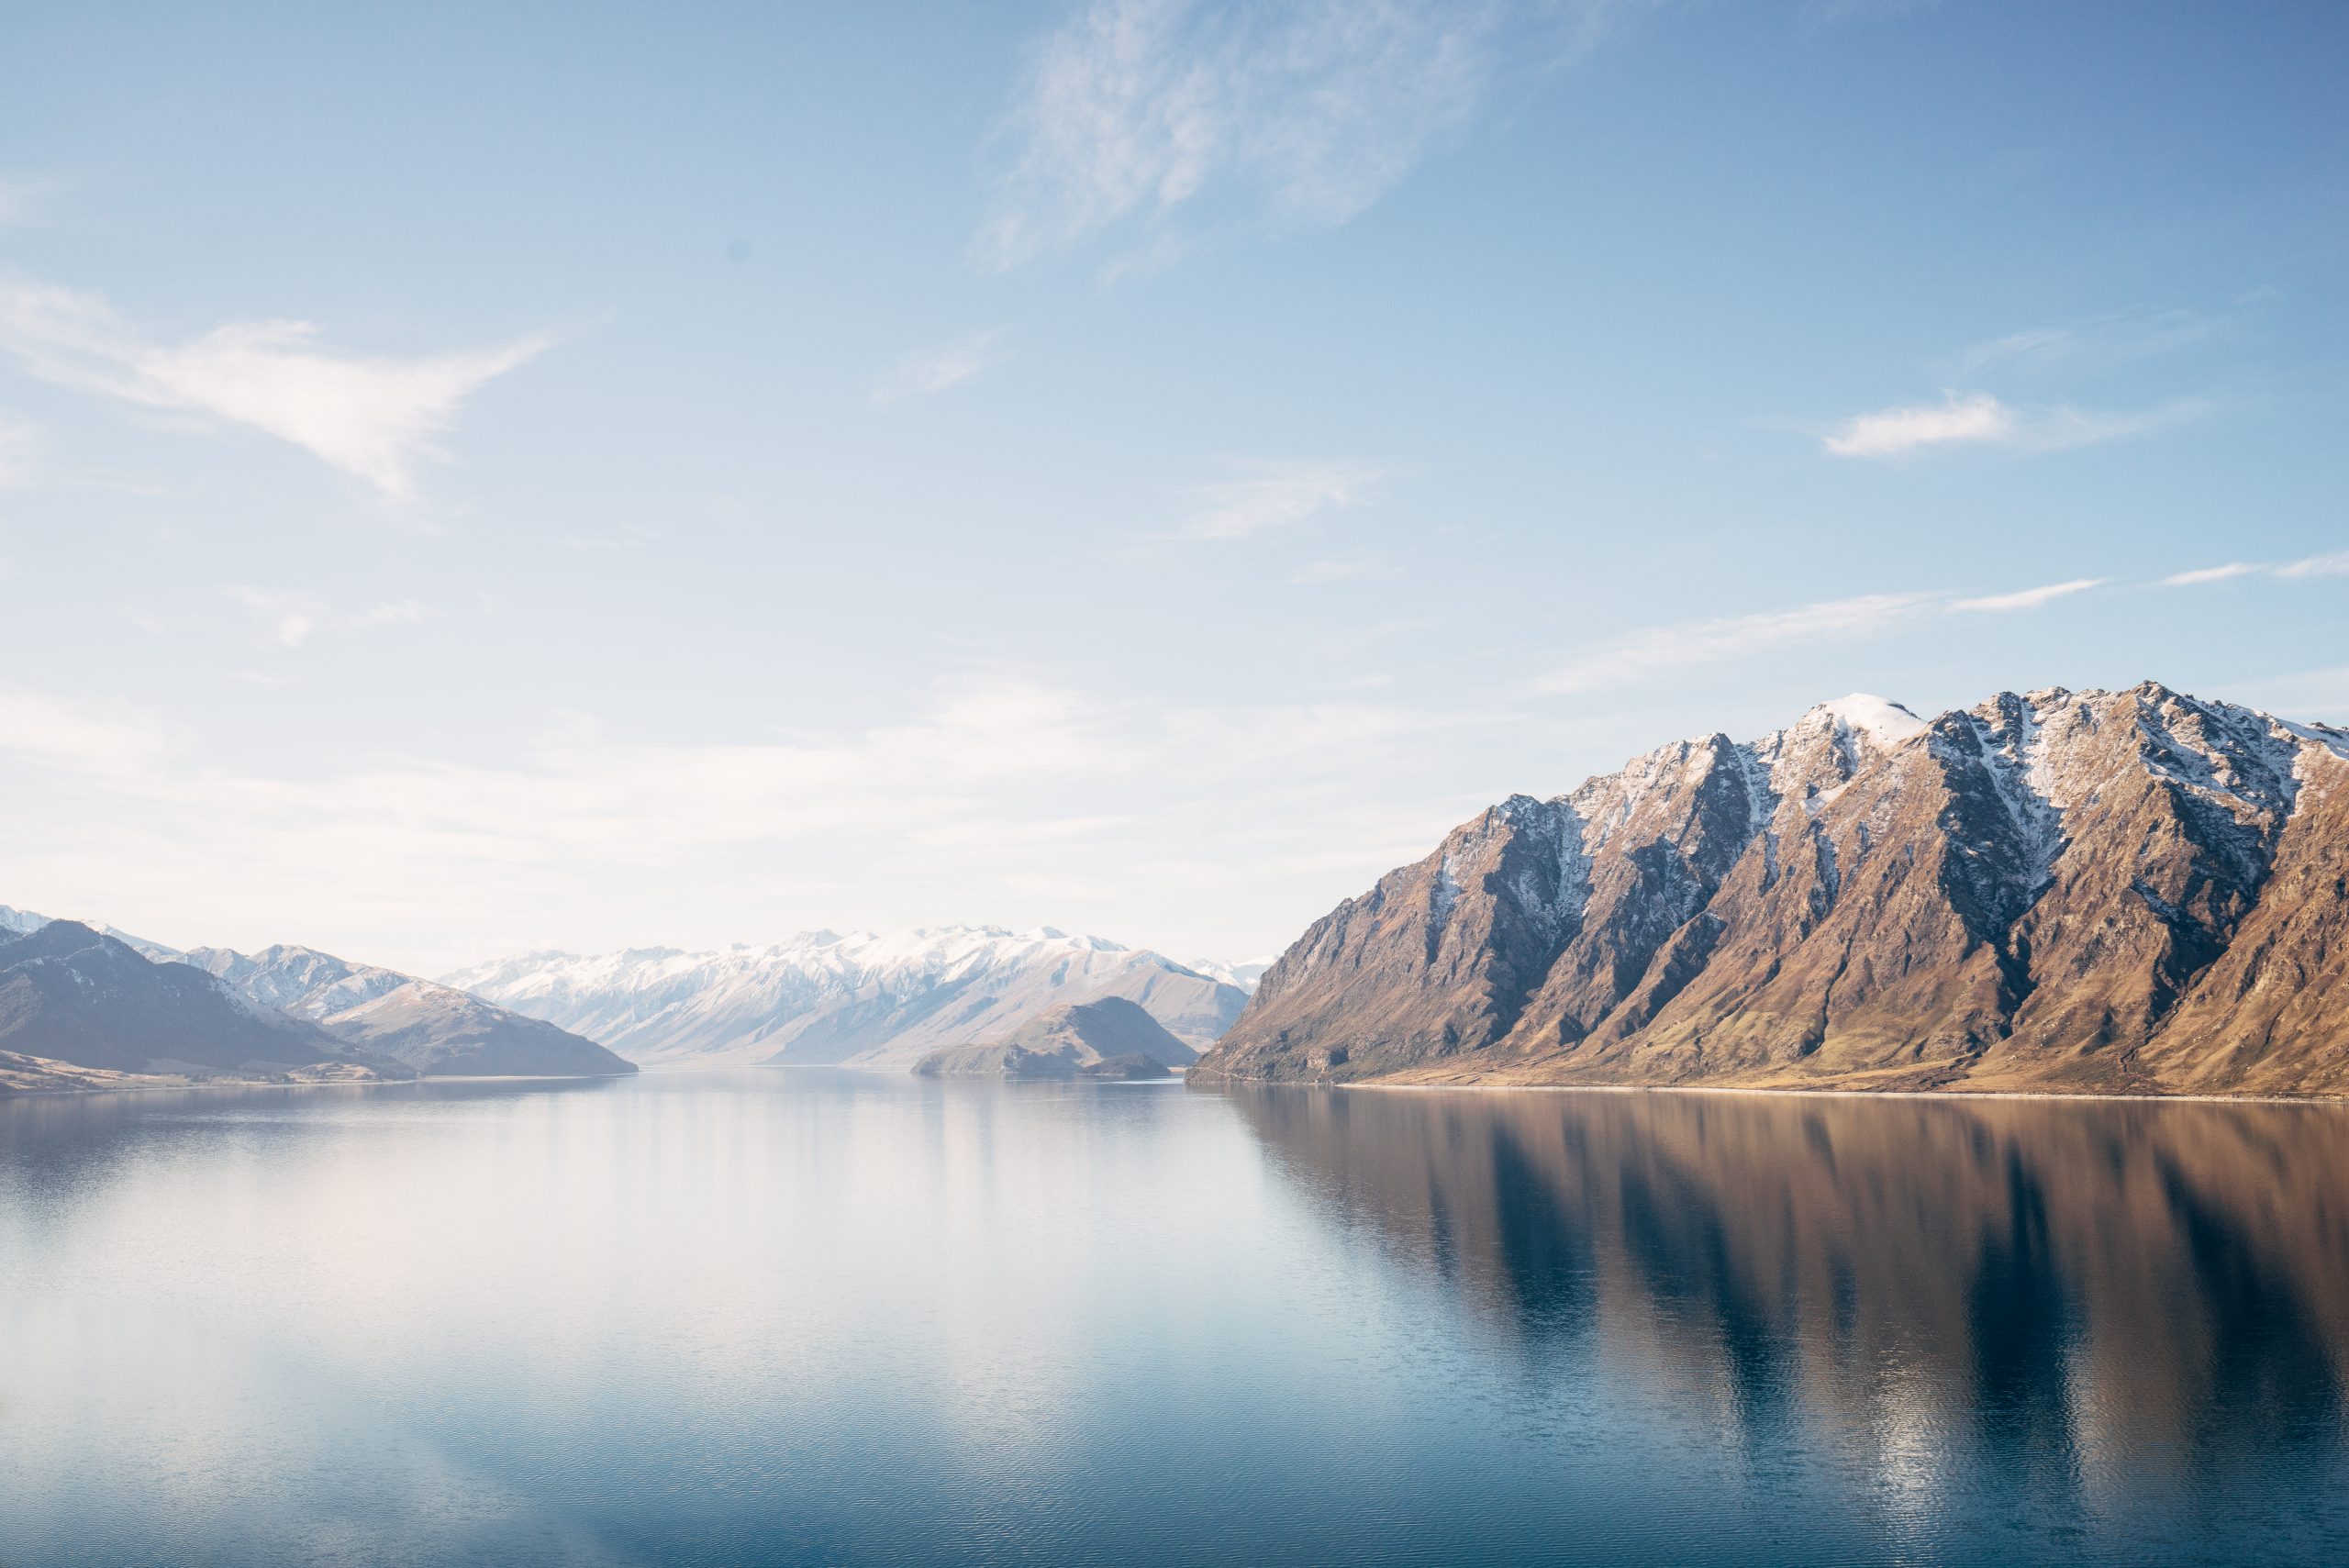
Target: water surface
812	1316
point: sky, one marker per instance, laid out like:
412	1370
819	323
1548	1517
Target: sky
478	479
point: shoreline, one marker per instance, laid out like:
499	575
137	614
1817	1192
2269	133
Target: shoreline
2091	1097
8	1095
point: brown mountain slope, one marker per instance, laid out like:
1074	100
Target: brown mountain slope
2085	892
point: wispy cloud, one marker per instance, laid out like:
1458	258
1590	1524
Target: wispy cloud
1655	649
2026	598
375	417
1135	108
920	375
1277	495
1954	420
1980	419
2210	574
2334	565
290	620
2095	343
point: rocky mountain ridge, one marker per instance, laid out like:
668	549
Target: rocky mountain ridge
2082	892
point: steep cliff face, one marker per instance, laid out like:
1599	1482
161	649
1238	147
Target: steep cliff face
2088	890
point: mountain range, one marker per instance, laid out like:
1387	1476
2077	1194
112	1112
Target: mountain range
433	1029
863	999
84	1007
79	1007
2133	891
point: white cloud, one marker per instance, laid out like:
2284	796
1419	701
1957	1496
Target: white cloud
1639	654
375	417
2333	565
2210	574
1654	650
1135	108
290	619
1979	419
1276	495
920	375
2027	599
2096	343
984	780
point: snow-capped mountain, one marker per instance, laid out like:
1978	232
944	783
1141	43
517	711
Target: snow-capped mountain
2080	890
19	922
865	999
1242	976
434	1029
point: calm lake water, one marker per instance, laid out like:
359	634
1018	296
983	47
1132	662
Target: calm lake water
805	1317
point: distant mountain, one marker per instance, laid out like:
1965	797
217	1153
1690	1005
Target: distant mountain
863	998
1240	976
2086	891
22	921
1111	1038
432	1027
73	995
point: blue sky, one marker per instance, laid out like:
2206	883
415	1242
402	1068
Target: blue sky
591	477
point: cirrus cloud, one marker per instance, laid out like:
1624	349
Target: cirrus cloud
376	418
1979	419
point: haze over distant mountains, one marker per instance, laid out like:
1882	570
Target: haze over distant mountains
75	998
862	999
2075	891
431	1028
1107	1037
72	997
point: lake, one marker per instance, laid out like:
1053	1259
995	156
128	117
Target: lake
810	1317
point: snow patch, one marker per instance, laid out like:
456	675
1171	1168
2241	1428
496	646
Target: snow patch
1880	718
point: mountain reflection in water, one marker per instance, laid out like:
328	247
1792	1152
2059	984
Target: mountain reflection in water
766	1318
2109	1298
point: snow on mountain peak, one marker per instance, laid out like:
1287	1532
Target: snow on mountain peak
1878	717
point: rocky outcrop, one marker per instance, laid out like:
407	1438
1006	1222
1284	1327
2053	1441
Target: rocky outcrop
1111	1038
72	996
2070	891
433	1029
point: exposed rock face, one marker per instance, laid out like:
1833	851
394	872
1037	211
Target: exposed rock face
71	995
863	999
2080	891
1111	1038
433	1029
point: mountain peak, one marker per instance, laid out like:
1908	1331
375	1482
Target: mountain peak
1878	717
